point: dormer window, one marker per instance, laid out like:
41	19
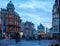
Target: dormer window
10	10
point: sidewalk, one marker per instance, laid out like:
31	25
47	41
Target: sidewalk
6	42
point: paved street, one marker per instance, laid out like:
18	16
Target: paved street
27	43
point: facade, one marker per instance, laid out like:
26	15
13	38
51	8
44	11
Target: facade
51	33
41	30
10	20
29	28
35	34
55	19
51	29
47	30
22	29
0	24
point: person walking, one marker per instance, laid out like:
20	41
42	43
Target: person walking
56	44
17	37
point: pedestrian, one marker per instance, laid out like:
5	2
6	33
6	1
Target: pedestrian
17	37
56	44
50	44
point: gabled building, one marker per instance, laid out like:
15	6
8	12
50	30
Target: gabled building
29	28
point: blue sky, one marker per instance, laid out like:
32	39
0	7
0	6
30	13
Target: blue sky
35	11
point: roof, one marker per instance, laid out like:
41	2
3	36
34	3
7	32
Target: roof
3	9
40	26
10	3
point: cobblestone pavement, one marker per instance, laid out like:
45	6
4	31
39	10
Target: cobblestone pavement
27	43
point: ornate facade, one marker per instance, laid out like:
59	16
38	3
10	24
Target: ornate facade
55	19
41	30
10	20
29	28
0	24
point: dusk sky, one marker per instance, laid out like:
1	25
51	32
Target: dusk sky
35	11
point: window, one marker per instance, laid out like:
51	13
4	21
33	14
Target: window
6	21
55	16
55	10
55	29
0	15
10	22
0	20
6	16
11	16
10	9
57	22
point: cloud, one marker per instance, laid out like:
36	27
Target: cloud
36	11
36	19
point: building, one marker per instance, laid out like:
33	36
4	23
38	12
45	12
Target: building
9	20
29	28
55	19
47	30
51	34
51	29
35	34
41	30
22	29
0	24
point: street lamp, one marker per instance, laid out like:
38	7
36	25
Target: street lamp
21	34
